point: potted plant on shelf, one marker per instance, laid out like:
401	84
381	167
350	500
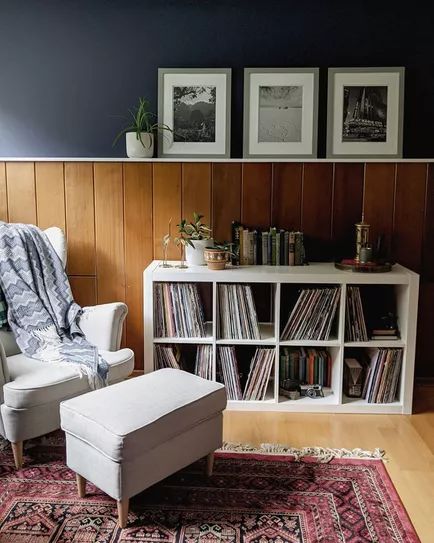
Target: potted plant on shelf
139	134
217	257
197	236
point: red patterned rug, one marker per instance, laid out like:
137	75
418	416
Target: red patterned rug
250	498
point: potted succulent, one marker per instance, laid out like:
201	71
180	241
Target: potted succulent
139	134
197	236
217	256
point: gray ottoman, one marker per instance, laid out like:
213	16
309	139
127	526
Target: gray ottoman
126	437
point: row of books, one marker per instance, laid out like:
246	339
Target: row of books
178	310
355	326
204	362
382	377
309	366
237	312
273	247
313	314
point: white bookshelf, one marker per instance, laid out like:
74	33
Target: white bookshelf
405	285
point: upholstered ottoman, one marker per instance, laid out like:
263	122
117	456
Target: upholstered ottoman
126	437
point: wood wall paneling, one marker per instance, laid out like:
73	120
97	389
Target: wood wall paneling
226	198
409	214
286	198
84	289
138	248
109	230
3	193
166	205
347	206
428	233
196	190
50	194
20	182
80	218
256	194
317	209
378	202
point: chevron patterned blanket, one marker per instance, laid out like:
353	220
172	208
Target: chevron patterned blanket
41	310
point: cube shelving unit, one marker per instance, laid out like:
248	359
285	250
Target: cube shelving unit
404	282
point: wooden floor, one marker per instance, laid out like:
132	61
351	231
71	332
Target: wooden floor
407	440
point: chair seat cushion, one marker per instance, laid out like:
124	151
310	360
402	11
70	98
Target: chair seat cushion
127	419
34	382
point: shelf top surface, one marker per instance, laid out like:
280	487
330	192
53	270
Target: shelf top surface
321	272
212	159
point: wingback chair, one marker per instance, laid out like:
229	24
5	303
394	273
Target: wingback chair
31	390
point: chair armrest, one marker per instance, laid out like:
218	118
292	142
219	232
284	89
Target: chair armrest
102	325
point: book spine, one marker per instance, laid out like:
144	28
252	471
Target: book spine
298	249
291	249
285	248
251	249
235	230
273	246
265	248
277	261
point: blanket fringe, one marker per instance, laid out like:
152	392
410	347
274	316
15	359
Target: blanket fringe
322	454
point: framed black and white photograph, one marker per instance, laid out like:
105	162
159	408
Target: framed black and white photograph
280	112
365	112
195	104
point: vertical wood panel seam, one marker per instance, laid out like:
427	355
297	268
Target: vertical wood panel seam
242	194
272	196
34	192
332	204
364	189
425	211
302	198
95	242
395	182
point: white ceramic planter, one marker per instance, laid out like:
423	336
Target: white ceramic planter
137	148
194	257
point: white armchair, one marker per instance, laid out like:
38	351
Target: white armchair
32	390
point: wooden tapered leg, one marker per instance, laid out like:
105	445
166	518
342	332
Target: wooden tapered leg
81	485
123	507
209	464
17	449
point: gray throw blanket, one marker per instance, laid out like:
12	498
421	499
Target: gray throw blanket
41	310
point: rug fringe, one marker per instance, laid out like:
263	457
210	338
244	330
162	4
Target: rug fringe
322	454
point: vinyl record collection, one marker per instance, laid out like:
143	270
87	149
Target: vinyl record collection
309	366
259	374
203	364
178	310
313	314
382	378
237	312
167	356
228	367
355	326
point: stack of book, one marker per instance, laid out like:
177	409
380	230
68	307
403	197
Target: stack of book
383	375
355	329
228	368
237	312
380	333
203	365
178	310
309	366
167	356
273	247
313	314
259	374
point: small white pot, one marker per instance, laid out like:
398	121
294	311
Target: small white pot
194	257
142	147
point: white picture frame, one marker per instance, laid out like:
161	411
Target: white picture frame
280	112
365	112
196	132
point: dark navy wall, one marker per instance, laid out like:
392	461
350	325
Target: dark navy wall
67	68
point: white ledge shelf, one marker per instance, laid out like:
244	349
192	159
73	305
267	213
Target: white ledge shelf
213	160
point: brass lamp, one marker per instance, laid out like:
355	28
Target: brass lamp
362	236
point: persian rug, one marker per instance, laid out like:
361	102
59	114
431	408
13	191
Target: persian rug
251	498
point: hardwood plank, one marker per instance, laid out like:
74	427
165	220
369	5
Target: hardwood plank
287	190
166	205
226	198
196	190
138	248
409	214
3	193
83	289
20	182
80	218
109	232
316	210
347	207
428	230
256	194
378	201
50	194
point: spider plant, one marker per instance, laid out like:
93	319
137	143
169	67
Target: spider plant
141	120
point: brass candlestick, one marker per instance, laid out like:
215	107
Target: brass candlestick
362	236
